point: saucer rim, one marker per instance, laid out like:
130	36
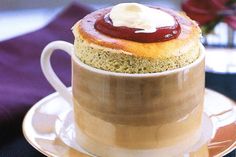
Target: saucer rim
49	97
30	113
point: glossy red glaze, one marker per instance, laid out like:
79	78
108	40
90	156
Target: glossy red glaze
105	26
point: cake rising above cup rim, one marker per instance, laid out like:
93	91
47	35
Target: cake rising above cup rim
126	56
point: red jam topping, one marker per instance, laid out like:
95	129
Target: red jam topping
105	26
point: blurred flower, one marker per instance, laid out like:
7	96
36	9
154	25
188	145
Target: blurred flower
208	13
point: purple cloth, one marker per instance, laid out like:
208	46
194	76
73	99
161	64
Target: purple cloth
22	83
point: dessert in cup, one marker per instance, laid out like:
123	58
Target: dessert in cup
137	81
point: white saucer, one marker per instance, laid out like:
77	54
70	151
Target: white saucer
48	127
67	135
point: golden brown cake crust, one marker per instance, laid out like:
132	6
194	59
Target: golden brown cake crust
189	37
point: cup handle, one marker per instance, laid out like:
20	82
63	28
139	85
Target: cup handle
48	70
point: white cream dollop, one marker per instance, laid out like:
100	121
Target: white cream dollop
134	15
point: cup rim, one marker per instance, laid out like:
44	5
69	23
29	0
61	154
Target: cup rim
119	74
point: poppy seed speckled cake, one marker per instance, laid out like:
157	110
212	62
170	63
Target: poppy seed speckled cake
106	52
